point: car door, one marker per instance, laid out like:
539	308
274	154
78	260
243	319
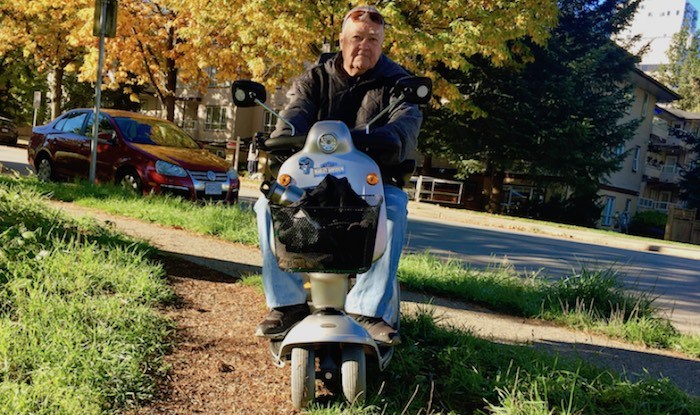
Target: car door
108	147
67	140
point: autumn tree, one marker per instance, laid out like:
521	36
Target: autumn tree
162	42
19	78
45	31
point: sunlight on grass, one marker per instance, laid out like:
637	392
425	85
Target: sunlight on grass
592	300
79	328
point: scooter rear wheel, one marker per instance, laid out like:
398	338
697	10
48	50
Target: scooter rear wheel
303	377
354	374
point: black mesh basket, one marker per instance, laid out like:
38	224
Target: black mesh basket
325	239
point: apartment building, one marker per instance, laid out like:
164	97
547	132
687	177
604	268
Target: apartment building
656	21
622	190
668	154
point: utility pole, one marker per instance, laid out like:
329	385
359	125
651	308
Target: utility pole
105	25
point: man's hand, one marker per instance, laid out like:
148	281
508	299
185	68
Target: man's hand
383	148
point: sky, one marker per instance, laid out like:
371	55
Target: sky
696	4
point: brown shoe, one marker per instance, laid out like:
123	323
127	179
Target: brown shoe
280	320
379	330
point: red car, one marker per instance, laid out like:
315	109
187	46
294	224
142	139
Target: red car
146	153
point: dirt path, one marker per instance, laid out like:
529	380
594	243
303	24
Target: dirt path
219	367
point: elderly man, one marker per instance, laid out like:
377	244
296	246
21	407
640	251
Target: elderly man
353	87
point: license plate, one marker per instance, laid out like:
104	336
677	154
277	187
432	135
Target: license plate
212	188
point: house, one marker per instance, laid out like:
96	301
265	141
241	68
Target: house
212	119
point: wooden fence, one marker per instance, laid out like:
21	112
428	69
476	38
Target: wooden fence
682	226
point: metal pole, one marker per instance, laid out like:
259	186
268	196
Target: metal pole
98	93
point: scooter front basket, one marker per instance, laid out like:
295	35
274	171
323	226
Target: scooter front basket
326	239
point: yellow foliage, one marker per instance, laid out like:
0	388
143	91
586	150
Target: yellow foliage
267	40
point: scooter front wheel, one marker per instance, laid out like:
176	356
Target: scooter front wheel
354	373
303	377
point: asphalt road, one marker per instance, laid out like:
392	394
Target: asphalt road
675	280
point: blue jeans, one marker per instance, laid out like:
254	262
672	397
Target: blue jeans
376	292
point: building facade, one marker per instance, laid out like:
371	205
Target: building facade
622	190
656	21
667	157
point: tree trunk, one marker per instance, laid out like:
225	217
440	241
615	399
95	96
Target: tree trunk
56	87
495	191
427	164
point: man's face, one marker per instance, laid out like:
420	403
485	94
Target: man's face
361	45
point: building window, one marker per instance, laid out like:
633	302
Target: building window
608	211
635	161
619	150
216	118
645	105
269	122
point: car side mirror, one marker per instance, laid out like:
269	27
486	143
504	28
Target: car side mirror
247	93
414	89
108	136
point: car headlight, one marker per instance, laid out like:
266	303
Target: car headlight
232	174
170	169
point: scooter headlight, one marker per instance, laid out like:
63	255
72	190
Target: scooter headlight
328	143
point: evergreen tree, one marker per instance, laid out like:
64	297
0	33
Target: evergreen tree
555	116
682	74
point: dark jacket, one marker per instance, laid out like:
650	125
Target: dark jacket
327	92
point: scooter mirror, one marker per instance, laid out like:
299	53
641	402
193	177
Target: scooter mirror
415	89
245	93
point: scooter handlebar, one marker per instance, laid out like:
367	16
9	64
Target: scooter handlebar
285	142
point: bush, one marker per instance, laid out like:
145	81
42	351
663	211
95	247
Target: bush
649	223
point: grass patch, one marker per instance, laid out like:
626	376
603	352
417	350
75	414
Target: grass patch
80	331
593	300
588	300
442	370
228	222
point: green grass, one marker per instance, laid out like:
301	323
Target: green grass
230	223
592	300
588	300
80	331
443	370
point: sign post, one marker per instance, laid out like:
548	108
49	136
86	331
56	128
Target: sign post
105	24
37	105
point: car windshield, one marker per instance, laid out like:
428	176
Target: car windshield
154	132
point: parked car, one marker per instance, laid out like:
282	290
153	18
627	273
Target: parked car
8	132
146	153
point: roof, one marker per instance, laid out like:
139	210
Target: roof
659	90
684	115
121	113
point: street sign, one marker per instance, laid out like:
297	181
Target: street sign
110	18
37	100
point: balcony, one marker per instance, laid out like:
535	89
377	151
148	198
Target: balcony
658	205
431	189
670	173
665	173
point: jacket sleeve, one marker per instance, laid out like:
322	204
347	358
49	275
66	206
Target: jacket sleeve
404	123
302	107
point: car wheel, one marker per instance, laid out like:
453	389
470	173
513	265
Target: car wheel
131	180
44	169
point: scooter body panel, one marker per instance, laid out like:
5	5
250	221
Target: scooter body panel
320	329
308	167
